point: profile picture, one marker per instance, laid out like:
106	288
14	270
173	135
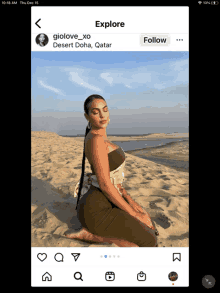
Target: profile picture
173	276
42	40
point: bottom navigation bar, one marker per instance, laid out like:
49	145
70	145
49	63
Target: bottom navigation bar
110	276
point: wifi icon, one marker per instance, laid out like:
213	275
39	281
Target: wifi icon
75	255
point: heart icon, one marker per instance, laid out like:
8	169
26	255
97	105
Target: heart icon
41	256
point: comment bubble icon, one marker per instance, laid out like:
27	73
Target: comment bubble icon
59	257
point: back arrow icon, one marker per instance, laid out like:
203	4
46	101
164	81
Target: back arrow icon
37	22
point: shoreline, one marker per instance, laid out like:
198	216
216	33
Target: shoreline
151	136
173	154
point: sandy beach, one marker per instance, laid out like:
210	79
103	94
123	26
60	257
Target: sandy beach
157	178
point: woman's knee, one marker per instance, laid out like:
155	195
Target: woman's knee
151	241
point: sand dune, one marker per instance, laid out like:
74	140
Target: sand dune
56	168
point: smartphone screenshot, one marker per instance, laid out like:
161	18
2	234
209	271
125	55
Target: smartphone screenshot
114	112
110	146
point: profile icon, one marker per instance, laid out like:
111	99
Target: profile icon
42	40
173	276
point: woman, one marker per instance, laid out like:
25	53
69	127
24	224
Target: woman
105	210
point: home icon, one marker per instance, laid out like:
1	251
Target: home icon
46	277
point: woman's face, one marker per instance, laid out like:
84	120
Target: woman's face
98	111
41	38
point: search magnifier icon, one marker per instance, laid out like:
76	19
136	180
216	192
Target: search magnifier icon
78	276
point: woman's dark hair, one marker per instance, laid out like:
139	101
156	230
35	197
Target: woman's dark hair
87	102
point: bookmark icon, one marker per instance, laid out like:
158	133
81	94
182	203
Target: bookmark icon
177	256
75	255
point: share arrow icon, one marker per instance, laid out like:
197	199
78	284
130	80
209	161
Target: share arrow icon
75	255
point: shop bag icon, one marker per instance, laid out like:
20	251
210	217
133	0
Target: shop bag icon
141	276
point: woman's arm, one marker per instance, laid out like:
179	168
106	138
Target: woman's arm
114	196
140	212
129	200
135	205
100	162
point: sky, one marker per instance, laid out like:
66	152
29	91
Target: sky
144	91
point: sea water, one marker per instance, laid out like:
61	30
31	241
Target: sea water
141	144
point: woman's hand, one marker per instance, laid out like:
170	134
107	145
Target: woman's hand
137	207
145	219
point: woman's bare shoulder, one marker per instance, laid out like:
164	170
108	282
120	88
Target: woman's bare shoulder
89	140
90	137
